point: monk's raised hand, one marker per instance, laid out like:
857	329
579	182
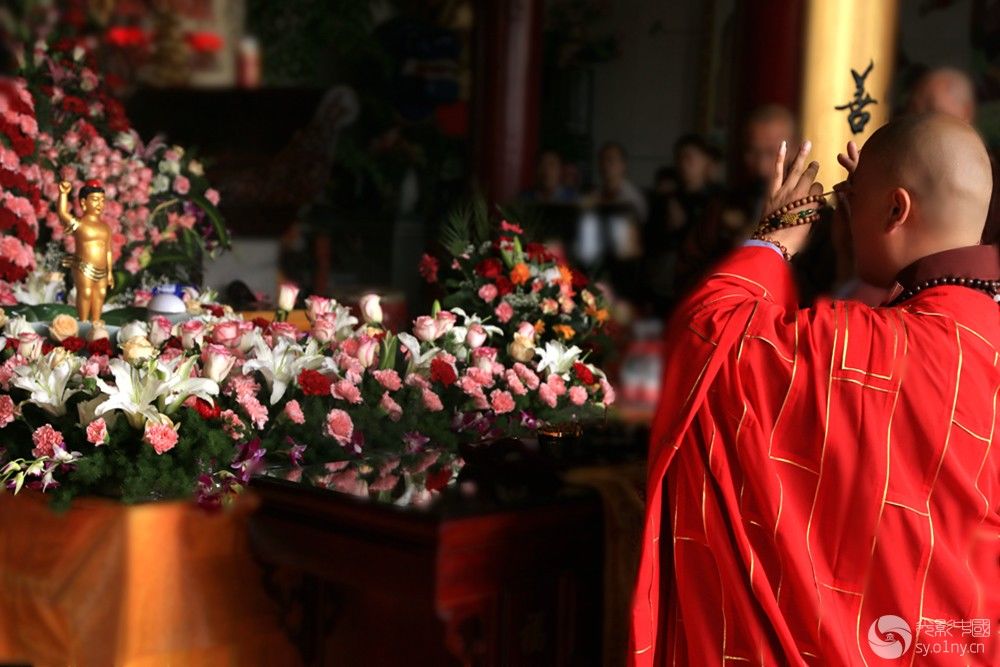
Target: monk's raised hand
799	182
849	160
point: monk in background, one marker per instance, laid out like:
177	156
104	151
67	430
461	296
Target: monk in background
824	486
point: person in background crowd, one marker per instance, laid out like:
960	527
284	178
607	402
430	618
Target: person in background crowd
549	178
665	181
950	91
764	130
615	187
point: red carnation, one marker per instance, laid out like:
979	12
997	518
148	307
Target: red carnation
314	383
174	343
582	373
490	268
537	252
438	479
443	372
207	410
216	311
579	279
504	286
74	105
73	344
99	346
261	323
428	268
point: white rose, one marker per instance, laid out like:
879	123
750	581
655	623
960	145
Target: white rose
29	345
137	350
133	330
97	332
287	294
521	348
371	309
217	362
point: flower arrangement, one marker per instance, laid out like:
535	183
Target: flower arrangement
527	291
60	123
168	410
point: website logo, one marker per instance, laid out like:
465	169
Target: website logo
889	636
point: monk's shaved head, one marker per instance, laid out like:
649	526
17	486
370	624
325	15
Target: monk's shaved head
922	185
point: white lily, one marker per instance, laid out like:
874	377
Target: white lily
281	364
40	287
143	392
417	358
16	326
343	322
557	358
48	380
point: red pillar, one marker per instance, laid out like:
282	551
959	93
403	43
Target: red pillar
507	89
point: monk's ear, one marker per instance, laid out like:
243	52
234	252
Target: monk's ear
901	205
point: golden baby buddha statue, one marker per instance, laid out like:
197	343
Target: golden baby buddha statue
91	264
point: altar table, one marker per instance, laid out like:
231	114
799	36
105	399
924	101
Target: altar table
461	583
139	586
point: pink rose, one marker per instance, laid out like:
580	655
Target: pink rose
484	358
504	312
488	292
182	185
431	400
160	330
527	330
389	379
217	362
7	411
230	332
324	328
476	335
97	432
29	345
425	328
192	333
577	395
391	407
316	306
608	391
371	308
346	391
501	402
284	330
444	322
212	195
294	412
339	426
46	440
142	298
368	352
161	437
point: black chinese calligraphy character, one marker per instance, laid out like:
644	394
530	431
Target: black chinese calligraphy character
858	118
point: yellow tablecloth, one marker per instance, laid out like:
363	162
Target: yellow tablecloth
155	584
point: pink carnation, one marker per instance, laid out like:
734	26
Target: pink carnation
294	412
391	407
162	437
501	401
577	395
212	195
231	424
548	396
339	426
609	392
7	412
504	312
46	440
528	376
431	400
516	386
557	384
97	432
388	379
488	292
346	391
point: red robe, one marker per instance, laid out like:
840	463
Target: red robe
813	471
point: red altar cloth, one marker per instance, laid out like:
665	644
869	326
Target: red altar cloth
816	480
143	585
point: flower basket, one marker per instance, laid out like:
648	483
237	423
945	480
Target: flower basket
109	584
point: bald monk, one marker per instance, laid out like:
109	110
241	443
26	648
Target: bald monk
824	485
950	91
